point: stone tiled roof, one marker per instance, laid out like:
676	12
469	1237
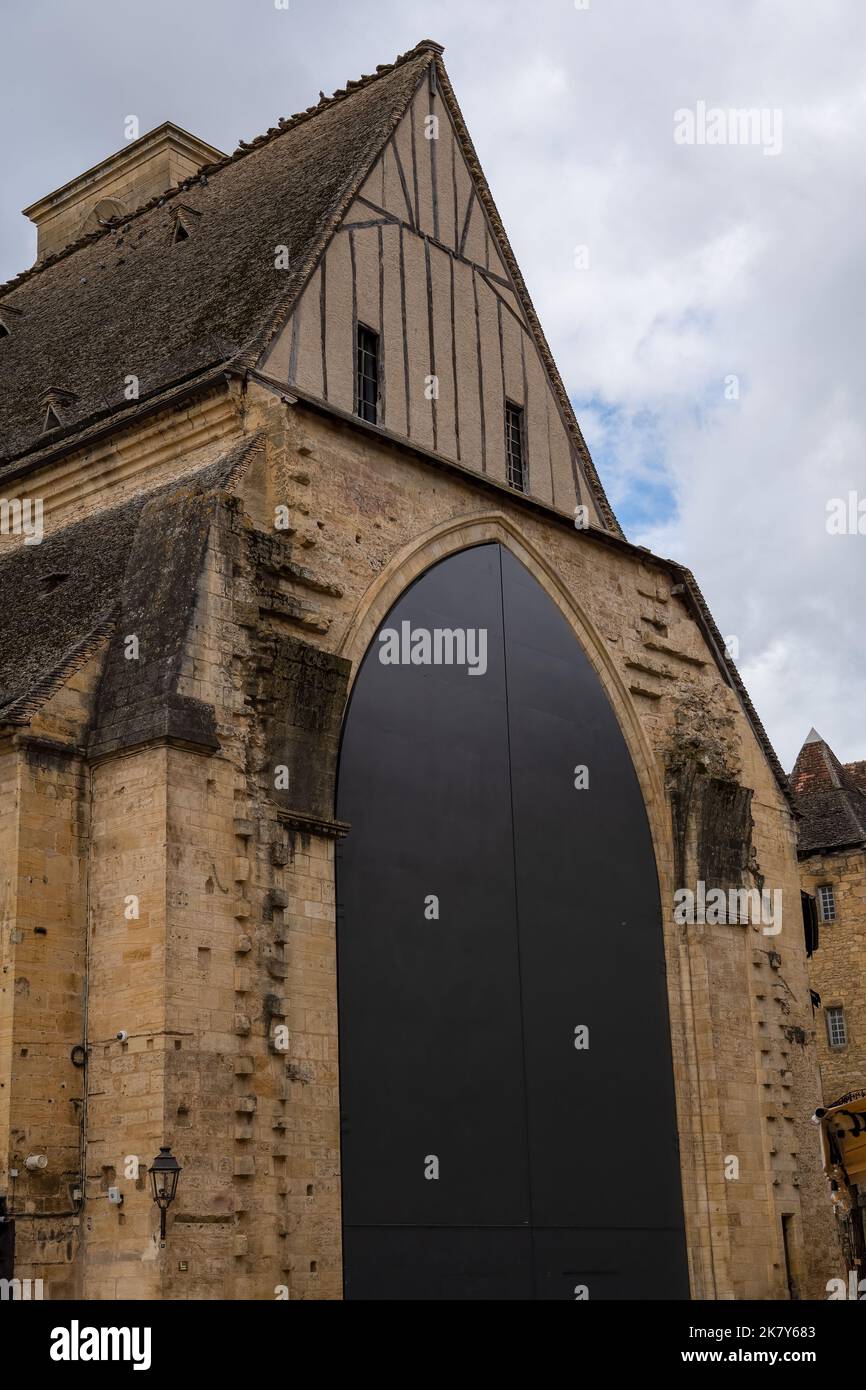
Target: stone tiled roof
128	301
829	797
61	599
858	772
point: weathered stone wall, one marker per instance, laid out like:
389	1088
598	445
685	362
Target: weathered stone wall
43	951
8	935
126	993
743	1027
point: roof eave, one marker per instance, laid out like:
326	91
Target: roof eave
87	432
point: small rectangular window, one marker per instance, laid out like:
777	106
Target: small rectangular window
367	374
827	902
514	455
837	1032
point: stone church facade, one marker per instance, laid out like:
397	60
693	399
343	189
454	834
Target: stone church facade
239	423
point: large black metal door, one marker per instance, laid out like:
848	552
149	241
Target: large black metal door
489	912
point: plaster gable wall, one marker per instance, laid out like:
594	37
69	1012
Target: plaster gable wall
415	260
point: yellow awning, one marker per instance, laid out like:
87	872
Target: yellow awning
843	1137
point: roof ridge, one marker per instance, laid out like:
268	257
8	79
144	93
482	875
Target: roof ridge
830	762
244	148
840	775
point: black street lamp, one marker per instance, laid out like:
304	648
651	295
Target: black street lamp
164	1173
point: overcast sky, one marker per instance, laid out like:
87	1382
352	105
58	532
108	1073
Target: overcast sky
661	270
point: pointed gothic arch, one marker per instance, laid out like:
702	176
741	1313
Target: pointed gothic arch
481	904
461	533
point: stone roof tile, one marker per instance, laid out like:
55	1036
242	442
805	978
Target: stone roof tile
60	599
858	772
829	797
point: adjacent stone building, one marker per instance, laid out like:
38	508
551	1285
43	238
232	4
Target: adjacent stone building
243	421
831	799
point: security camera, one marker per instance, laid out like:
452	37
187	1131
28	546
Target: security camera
122	1035
34	1162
